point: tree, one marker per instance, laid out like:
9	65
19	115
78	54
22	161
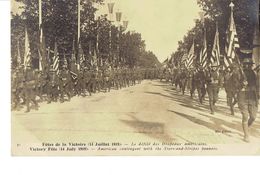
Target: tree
60	25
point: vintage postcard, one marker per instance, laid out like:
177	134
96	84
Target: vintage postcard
135	77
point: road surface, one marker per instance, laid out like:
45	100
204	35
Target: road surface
152	111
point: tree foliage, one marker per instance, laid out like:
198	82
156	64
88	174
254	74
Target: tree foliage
60	23
218	11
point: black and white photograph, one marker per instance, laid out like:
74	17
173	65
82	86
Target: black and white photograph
135	77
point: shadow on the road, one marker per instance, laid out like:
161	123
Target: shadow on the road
220	125
193	103
152	129
188	102
157	93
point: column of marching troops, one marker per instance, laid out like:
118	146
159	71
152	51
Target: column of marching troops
240	82
50	86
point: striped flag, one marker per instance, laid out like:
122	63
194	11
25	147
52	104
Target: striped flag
81	57
184	59
94	59
215	55
42	54
231	41
27	52
56	60
191	56
65	61
73	55
203	52
73	62
19	58
256	46
40	58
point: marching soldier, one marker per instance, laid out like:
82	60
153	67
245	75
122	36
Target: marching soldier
107	80
52	86
15	89
200	84
248	96
212	80
192	80
231	85
39	83
81	84
183	80
87	80
64	82
30	88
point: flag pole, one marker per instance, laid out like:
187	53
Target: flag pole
40	20
79	20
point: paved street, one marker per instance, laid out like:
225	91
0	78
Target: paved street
152	111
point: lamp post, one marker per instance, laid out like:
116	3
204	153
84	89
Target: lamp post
118	20
110	11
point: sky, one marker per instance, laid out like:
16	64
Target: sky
162	23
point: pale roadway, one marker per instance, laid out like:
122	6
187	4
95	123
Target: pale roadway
152	111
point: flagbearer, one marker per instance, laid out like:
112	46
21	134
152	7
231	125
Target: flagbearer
52	86
30	88
213	81
64	82
248	96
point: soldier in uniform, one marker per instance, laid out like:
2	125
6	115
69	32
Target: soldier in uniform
30	88
15	89
116	78
52	86
80	83
99	80
107	79
87	80
248	96
212	80
38	75
192	80
93	82
200	84
43	83
183	80
231	85
64	81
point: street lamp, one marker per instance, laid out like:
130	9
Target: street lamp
118	20
125	24
110	11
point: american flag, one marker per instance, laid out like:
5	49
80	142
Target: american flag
42	54
27	52
231	41
215	55
81	57
203	52
190	57
94	59
19	59
56	60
